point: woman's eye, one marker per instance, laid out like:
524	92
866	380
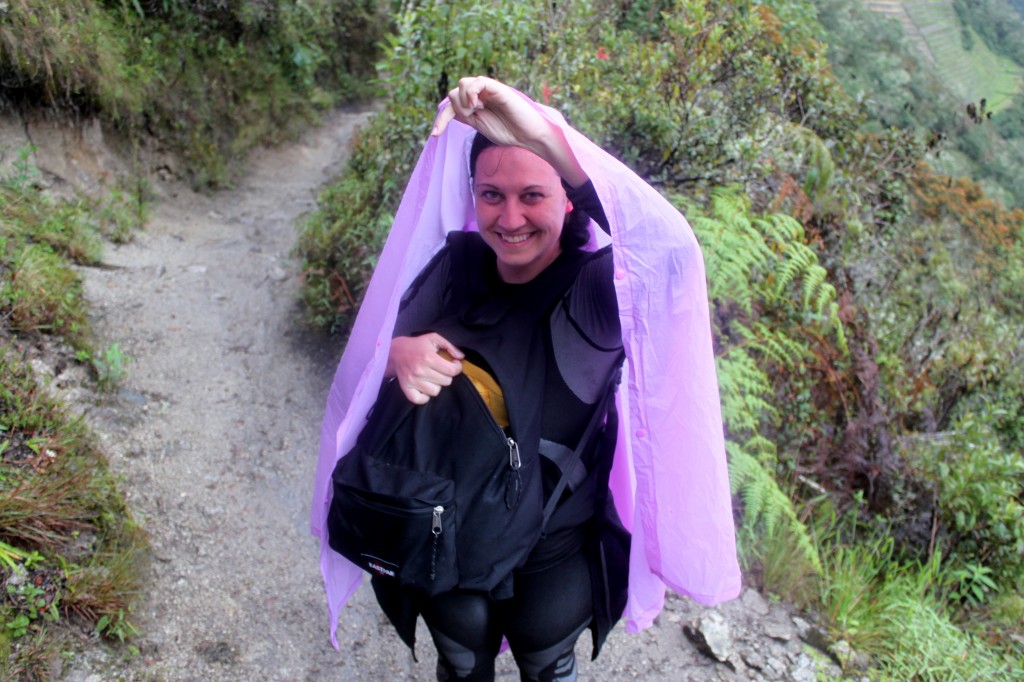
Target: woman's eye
490	196
532	197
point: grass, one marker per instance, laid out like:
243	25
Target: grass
40	238
70	553
778	564
895	611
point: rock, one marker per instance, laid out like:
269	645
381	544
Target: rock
775	666
802	626
849	658
780	630
75	675
815	636
716	633
754	602
754	659
131	397
41	368
710	634
803	670
218	652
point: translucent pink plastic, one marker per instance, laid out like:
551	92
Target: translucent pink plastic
669	481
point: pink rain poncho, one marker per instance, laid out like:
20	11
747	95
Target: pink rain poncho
669	479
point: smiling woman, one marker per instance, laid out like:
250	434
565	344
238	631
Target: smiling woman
521	291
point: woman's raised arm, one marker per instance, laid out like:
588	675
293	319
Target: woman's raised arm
506	118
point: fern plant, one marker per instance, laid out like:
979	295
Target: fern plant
770	295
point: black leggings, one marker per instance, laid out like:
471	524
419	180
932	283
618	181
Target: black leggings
542	622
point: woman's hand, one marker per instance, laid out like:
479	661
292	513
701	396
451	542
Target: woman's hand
418	366
506	118
495	110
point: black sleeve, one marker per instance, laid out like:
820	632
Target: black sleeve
591	303
585	198
425	298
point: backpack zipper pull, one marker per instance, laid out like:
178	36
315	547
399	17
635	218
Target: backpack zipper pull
513	455
435	530
436	526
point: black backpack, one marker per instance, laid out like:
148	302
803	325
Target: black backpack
437	496
411	507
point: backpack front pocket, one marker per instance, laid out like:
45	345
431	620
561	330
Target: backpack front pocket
403	530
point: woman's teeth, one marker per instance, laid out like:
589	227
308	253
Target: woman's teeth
518	239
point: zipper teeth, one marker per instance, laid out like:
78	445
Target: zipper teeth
426	510
487	412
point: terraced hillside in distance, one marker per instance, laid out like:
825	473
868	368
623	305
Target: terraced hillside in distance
933	28
895	10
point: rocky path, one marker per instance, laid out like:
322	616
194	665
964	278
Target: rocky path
215	435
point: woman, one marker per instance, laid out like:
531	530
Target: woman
531	192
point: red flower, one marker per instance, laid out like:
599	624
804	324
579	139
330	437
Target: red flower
601	54
547	92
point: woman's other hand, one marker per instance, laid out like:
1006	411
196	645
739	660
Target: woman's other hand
419	367
506	118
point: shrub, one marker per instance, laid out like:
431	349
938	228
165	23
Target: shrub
213	79
977	486
341	241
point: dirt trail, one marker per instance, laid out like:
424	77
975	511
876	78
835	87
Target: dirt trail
215	431
215	434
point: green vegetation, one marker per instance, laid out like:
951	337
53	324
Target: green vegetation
212	79
996	24
851	282
111	367
69	551
974	66
208	80
858	220
973	132
39	238
890	611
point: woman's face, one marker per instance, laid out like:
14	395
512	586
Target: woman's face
520	209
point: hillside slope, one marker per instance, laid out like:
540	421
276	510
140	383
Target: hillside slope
933	28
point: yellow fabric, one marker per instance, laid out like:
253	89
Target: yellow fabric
488	389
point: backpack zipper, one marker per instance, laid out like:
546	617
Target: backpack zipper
435	530
513	482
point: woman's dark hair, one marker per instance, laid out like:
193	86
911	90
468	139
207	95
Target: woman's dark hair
575	229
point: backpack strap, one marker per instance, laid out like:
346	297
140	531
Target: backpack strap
603	407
